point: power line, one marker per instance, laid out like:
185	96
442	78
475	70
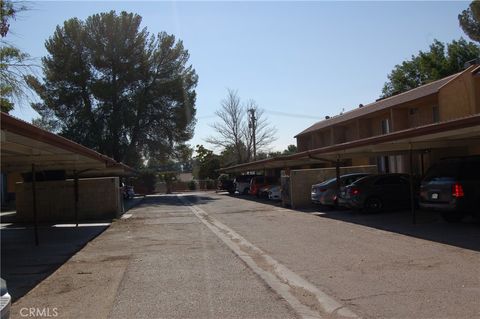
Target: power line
270	112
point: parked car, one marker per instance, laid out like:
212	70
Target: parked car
375	193
263	192
226	185
258	182
242	183
128	192
326	193
5	300
275	193
452	187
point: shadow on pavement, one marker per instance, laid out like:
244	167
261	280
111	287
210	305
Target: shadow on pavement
429	226
24	264
173	200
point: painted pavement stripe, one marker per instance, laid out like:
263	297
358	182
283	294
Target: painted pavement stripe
305	298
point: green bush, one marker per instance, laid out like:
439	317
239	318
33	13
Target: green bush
192	185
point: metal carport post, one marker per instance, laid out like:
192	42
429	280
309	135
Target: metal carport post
34	204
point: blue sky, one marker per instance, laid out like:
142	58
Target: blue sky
310	59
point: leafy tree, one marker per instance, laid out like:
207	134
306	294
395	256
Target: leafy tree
118	89
207	163
235	133
228	156
469	20
9	10
440	61
168	178
148	179
291	149
14	64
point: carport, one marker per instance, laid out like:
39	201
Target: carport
27	149
413	142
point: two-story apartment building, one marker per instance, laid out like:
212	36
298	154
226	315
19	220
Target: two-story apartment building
446	100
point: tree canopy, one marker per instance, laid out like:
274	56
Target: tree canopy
439	61
14	64
206	163
469	20
116	88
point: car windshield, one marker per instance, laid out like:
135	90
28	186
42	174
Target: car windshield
442	172
243	179
362	180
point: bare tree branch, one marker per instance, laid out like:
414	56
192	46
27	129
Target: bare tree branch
233	130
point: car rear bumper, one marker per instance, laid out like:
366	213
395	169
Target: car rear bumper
440	207
342	202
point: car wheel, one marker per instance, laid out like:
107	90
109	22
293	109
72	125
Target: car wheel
453	217
373	205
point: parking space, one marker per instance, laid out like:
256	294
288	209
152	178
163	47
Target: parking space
25	264
427	225
379	265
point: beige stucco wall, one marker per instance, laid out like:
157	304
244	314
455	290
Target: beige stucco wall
99	198
301	181
457	98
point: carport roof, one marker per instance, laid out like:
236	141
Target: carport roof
460	132
23	144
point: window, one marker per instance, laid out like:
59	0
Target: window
385	126
390	180
436	114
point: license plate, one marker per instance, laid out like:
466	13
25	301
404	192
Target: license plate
434	195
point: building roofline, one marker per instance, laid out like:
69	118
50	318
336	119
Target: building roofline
464	122
17	126
377	106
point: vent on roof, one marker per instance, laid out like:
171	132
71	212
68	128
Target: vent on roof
471	62
327	117
360	105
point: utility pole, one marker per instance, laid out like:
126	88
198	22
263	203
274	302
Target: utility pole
252	125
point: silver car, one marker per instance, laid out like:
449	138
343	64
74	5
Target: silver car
5	300
326	193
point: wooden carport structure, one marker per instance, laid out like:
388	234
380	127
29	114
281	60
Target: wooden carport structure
462	132
26	148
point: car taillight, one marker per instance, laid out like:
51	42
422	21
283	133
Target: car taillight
354	191
457	190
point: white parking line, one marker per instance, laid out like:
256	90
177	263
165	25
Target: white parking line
305	298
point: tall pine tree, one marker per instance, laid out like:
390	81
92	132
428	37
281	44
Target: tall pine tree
114	87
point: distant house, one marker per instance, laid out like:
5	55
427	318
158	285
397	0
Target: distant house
185	177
